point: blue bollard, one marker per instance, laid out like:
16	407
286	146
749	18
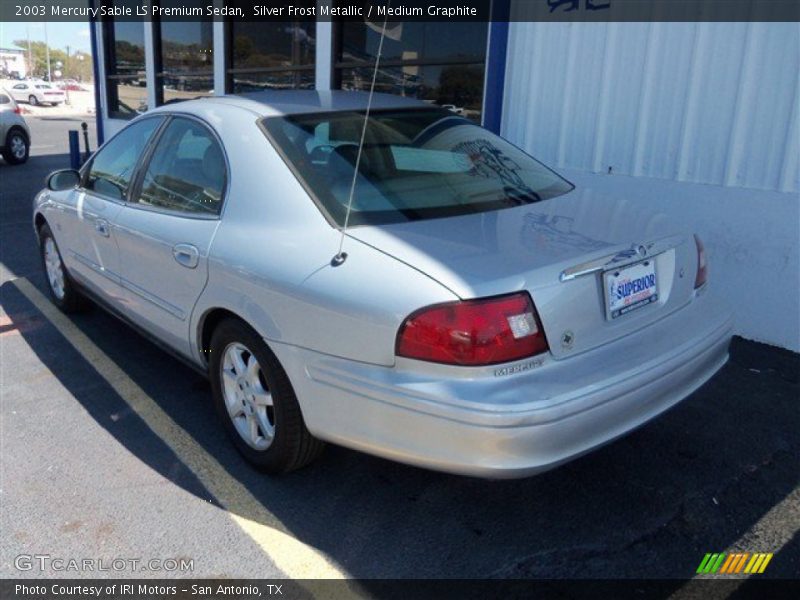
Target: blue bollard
74	150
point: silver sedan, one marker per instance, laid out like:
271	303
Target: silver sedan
434	295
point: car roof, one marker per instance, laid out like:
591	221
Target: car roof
294	102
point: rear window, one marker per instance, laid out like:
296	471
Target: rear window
43	87
416	164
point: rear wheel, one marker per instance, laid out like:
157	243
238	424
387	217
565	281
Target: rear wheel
62	290
256	403
17	147
33	100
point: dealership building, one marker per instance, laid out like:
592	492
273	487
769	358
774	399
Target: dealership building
697	120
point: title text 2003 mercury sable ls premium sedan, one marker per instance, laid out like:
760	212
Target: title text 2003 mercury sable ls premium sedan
488	319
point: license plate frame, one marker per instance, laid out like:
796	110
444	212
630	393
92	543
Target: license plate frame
637	300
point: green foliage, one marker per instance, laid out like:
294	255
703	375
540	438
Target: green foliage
73	68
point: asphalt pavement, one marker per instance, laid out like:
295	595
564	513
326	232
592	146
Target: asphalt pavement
109	448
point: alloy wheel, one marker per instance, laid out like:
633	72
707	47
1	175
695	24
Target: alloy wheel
17	146
247	396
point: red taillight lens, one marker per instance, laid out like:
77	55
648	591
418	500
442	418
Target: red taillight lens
702	265
17	111
473	332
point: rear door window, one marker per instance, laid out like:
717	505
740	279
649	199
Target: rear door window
186	172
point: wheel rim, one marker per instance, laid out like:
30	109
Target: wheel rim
247	396
17	147
55	271
33	100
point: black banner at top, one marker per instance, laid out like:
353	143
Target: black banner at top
403	10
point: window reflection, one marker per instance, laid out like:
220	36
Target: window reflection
125	79
458	88
441	63
272	55
186	58
439	42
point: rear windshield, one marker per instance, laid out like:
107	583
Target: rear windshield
43	87
416	164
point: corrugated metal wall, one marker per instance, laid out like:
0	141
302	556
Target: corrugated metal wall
700	102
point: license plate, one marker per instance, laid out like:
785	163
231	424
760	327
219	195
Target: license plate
630	288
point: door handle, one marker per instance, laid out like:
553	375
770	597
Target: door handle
187	255
101	227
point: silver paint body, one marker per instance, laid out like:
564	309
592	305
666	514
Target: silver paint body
267	259
9	119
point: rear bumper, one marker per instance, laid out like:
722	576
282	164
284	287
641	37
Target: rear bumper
481	423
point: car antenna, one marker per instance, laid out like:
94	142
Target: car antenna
341	256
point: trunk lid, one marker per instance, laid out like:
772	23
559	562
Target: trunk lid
558	250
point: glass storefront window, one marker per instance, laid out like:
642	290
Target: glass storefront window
438	42
458	88
271	55
185	57
441	63
125	68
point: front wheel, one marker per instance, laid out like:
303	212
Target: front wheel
62	290
17	148
33	100
256	403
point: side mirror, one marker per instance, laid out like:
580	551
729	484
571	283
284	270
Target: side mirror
65	179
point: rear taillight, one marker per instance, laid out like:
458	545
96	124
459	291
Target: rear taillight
473	332
17	110
702	265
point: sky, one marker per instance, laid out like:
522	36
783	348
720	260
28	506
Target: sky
59	35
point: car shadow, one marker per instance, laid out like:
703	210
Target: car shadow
647	506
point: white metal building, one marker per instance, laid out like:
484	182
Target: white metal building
699	120
13	63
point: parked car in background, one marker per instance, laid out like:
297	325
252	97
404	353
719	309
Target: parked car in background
70	85
15	136
37	92
486	317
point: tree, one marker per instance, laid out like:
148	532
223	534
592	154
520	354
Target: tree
74	67
461	85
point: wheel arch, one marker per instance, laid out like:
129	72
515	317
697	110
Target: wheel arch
21	130
208	324
39	221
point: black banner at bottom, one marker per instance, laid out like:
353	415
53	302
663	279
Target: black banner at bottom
406	589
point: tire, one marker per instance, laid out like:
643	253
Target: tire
273	438
17	147
63	291
33	100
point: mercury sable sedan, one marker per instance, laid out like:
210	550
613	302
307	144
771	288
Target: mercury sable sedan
483	316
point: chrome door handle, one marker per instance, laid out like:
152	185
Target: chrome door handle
187	255
101	227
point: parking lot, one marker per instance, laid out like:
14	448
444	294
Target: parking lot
111	449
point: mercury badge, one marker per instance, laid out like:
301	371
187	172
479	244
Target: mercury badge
567	338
